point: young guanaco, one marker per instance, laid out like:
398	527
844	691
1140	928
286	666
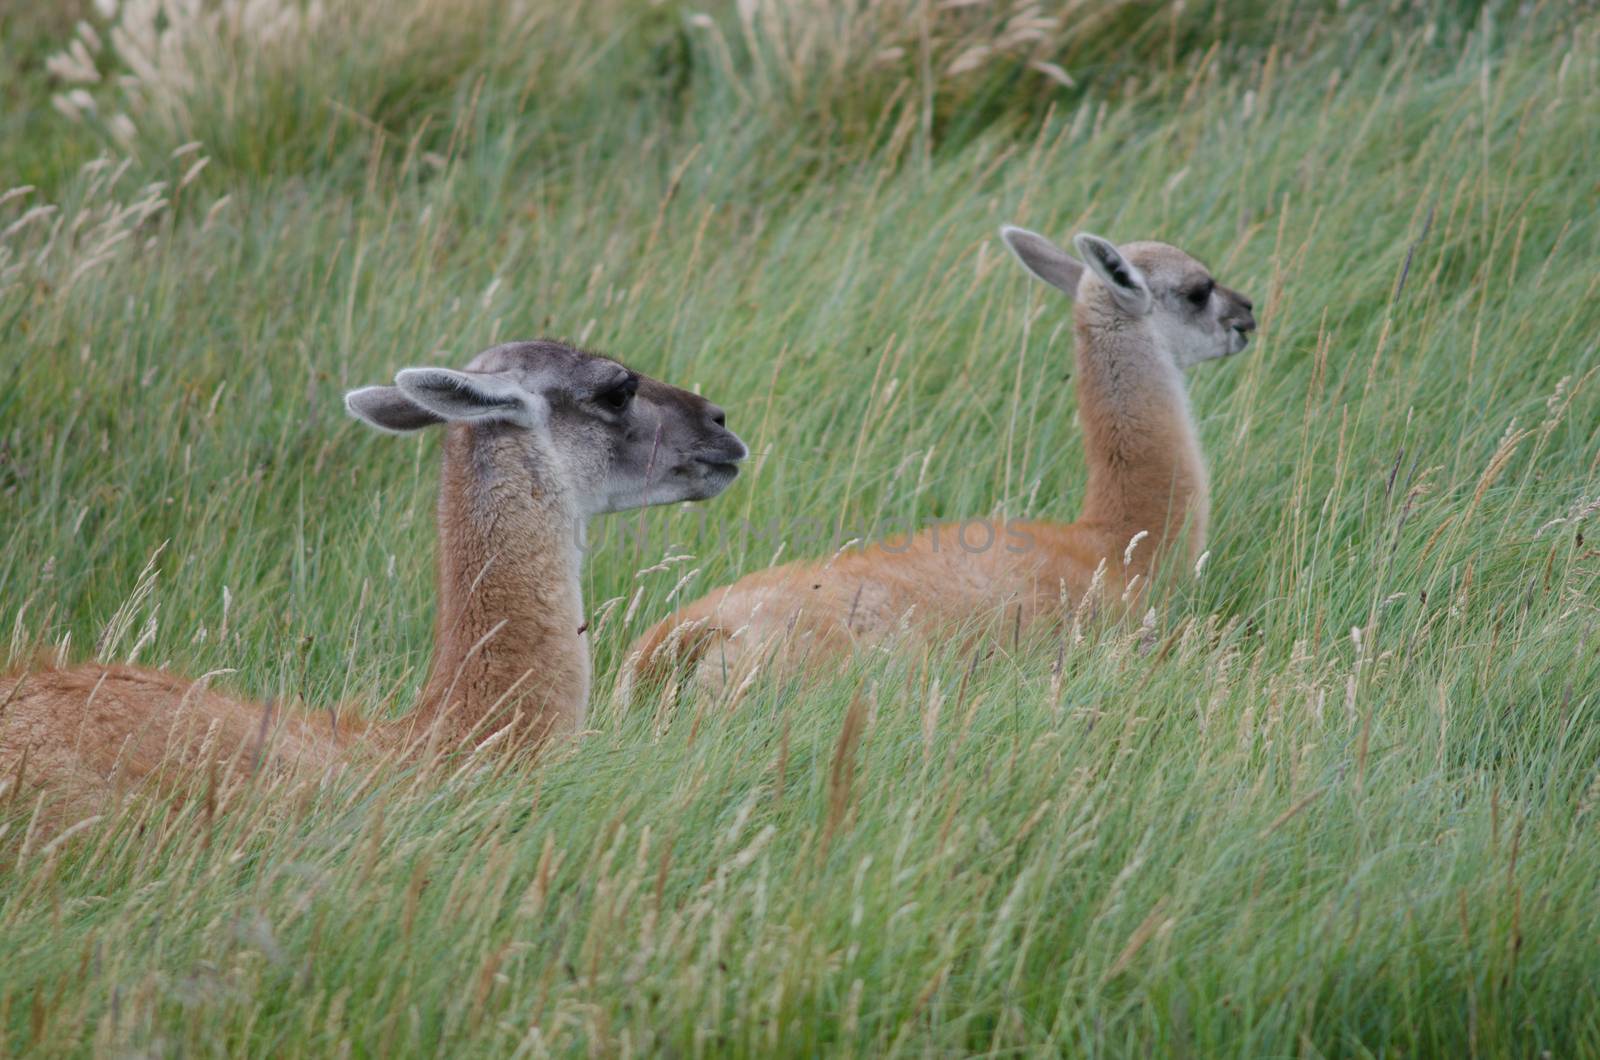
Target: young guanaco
540	438
1143	313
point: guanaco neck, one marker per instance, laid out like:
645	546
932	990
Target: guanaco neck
1146	471
508	640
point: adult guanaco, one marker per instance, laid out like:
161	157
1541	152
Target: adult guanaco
1143	313
540	438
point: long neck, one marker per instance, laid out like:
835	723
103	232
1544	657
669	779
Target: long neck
1146	472
507	642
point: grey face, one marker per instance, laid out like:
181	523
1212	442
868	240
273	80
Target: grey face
1199	318
613	438
1195	318
623	440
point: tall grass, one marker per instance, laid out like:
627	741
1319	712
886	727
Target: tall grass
1336	796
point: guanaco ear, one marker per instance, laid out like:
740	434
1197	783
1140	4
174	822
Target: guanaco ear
387	409
1127	283
477	397
1044	259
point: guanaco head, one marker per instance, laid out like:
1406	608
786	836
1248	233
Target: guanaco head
1193	317
608	437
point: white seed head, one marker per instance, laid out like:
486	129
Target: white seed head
1133	543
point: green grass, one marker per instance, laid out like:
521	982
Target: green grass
1341	799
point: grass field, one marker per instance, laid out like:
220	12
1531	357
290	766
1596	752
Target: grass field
1340	796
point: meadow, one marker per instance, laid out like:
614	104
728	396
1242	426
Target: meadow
1338	794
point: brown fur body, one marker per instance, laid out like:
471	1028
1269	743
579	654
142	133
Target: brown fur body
92	731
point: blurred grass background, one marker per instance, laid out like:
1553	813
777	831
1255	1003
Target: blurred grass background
1338	797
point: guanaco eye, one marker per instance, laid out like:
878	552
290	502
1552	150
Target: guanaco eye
617	398
1199	296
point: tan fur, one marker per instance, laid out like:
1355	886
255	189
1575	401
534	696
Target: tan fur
508	645
91	731
508	591
510	654
1146	475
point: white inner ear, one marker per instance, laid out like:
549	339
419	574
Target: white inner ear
1123	278
472	396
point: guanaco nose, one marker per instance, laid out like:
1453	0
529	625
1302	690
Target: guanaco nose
736	450
1248	321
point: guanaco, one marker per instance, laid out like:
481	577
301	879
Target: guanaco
540	438
1143	313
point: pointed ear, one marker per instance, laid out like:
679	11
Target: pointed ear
1127	283
387	409
471	396
1044	259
